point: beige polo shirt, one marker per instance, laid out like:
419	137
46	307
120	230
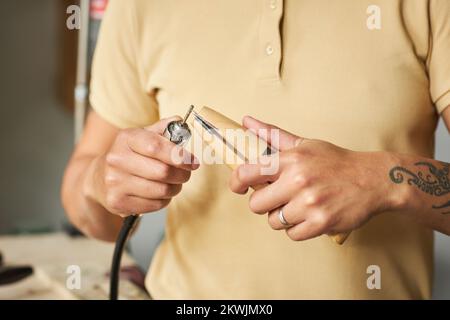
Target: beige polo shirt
363	74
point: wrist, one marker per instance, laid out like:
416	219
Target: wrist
92	184
397	196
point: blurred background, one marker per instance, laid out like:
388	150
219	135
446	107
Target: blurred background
38	64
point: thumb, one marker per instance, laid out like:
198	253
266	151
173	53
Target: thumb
161	125
276	137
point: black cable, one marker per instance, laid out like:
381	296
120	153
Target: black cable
127	226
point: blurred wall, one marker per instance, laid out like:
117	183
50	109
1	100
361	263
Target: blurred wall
36	133
442	244
35	130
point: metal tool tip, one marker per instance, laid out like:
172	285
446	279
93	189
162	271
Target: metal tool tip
188	113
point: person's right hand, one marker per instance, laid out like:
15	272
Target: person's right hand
141	172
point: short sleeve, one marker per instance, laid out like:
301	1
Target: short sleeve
117	90
439	58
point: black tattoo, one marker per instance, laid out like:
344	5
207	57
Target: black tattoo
434	181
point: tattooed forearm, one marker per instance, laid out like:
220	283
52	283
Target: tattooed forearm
428	178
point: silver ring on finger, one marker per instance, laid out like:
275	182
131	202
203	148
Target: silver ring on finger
282	219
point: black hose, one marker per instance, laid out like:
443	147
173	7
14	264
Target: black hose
127	226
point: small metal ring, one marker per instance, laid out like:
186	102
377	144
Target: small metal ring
281	218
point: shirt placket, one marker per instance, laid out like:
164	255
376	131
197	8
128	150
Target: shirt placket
270	39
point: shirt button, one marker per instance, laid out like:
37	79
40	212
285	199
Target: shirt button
269	50
273	4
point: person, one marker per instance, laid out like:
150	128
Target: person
357	108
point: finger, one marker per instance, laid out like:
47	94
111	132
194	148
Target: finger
236	185
152	145
134	205
293	212
153	190
306	230
276	137
161	125
148	168
248	175
273	218
272	196
267	169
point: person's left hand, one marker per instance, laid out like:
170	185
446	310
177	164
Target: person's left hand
322	188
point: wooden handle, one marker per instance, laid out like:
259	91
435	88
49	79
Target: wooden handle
339	238
252	148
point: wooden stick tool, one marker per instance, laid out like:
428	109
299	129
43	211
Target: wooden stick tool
234	144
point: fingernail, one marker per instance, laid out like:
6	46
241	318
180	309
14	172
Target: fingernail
195	164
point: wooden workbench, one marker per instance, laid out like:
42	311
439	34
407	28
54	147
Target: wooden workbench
50	255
